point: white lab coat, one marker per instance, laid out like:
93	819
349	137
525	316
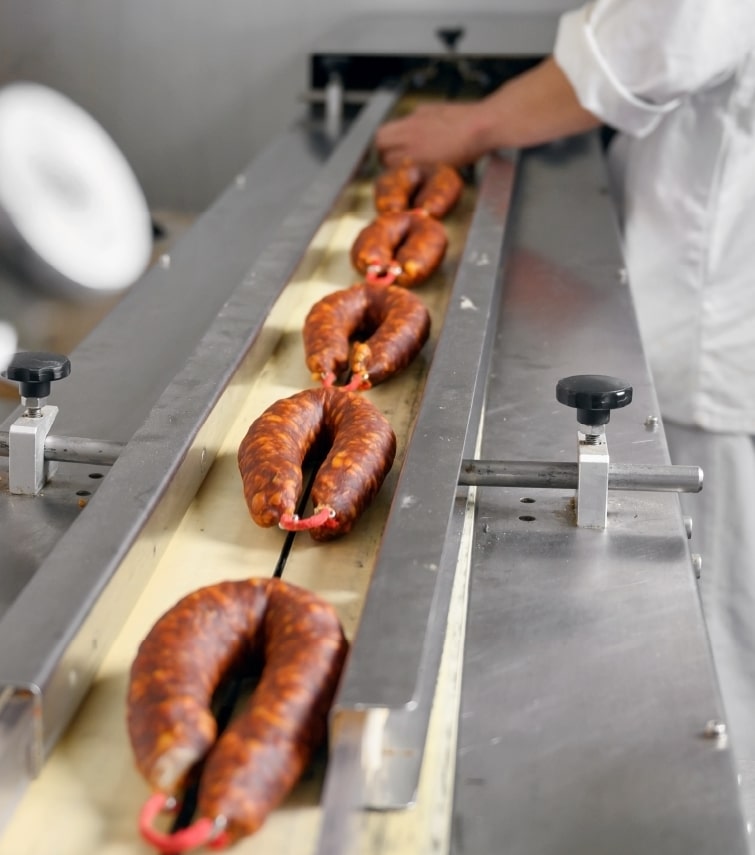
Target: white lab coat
676	78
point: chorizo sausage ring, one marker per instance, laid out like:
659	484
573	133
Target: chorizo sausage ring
392	323
402	247
395	187
362	447
208	635
434	189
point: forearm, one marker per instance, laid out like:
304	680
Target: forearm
535	107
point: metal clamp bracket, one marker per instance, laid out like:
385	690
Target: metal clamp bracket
593	475
29	469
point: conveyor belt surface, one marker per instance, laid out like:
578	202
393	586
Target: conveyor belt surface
88	796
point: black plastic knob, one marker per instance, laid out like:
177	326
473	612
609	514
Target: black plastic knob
34	371
450	36
593	396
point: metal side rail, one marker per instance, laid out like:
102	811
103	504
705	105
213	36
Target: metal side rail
381	714
55	633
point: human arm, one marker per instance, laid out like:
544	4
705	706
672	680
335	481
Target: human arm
535	107
624	63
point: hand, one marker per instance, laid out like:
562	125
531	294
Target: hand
433	133
537	106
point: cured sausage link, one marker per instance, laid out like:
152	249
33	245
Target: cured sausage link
170	723
330	325
433	188
363	450
377	242
402	326
420	255
272	453
264	751
362	447
409	244
187	654
393	323
394	188
440	191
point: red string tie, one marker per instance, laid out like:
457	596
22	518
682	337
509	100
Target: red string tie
203	832
357	382
379	275
328	378
292	522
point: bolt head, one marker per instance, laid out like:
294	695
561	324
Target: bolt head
714	729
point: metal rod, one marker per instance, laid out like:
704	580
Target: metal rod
357	97
74	449
563	476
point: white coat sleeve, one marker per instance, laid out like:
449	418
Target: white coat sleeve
632	61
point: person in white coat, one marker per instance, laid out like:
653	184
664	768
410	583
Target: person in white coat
676	81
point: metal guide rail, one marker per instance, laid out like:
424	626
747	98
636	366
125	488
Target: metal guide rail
381	713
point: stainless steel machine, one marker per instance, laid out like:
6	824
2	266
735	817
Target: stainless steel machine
529	638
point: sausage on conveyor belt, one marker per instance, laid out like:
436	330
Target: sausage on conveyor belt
392	323
403	247
440	190
355	439
214	633
435	189
395	187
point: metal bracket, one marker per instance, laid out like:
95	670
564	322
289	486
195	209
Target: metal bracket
592	480
28	469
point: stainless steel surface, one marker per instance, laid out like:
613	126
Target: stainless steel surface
400	742
392	668
391	644
54	633
376	755
587	679
344	791
19	719
563	476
